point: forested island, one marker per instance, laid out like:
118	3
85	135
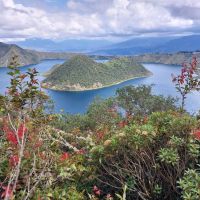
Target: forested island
83	73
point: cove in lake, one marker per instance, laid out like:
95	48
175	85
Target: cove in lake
78	102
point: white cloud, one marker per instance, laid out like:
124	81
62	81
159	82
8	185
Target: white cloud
98	18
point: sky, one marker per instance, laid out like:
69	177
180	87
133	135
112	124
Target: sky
97	19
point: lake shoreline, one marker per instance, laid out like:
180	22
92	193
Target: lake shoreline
91	89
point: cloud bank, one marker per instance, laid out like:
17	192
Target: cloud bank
98	18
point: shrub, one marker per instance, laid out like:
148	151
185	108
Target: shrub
189	184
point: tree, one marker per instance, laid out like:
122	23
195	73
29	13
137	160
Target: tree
140	100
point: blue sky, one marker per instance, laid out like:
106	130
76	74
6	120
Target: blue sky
97	19
51	5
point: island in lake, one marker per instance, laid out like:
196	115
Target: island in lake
83	73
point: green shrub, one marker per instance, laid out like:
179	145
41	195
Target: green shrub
190	185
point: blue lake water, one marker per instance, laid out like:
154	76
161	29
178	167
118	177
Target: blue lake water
78	102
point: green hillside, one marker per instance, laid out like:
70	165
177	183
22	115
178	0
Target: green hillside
83	73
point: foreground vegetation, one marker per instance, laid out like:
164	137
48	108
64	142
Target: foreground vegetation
151	150
83	73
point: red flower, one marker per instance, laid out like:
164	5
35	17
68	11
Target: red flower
7	193
21	131
64	156
197	134
11	137
14	160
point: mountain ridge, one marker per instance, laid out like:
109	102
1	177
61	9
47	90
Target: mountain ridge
153	45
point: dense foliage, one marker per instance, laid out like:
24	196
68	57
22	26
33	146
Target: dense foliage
81	72
127	147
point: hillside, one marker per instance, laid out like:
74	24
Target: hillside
166	58
26	56
83	73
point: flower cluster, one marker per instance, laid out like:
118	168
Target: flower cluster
187	80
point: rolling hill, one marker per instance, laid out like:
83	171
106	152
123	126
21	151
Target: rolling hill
82	73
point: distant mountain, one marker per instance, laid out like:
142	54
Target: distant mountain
134	46
153	45
187	43
65	45
82	73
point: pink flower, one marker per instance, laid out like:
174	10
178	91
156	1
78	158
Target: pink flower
109	197
7	193
96	190
81	152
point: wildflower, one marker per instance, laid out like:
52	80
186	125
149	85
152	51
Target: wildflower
197	134
10	135
96	190
64	156
7	193
81	152
14	160
21	131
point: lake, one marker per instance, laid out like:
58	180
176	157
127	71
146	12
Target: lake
78	102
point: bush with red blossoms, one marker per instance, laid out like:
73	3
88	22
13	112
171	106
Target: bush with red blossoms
150	152
187	81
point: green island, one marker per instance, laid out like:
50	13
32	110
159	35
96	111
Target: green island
83	73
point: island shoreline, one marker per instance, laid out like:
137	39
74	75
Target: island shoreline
91	89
